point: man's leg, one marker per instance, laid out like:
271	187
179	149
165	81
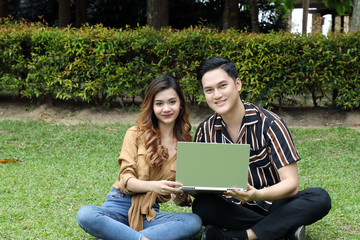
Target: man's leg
305	208
216	211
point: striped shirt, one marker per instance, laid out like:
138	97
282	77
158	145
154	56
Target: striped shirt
271	144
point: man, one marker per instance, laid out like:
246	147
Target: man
272	207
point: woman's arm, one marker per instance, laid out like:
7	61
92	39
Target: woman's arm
128	181
161	187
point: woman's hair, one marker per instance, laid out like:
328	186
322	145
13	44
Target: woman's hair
148	122
215	63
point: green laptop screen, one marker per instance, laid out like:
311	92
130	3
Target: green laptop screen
212	165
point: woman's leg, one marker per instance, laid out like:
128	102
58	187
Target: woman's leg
110	221
172	226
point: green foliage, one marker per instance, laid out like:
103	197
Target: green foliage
341	6
97	64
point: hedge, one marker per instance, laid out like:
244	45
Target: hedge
97	64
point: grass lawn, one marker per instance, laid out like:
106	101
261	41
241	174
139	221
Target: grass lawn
65	167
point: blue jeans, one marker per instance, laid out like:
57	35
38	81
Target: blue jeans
110	221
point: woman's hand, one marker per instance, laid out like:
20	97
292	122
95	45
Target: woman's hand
164	187
161	187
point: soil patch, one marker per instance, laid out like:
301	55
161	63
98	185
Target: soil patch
72	113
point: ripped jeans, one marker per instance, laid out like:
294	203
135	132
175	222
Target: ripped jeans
110	221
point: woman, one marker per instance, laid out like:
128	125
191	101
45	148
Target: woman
147	174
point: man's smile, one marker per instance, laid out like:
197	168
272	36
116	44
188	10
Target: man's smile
220	102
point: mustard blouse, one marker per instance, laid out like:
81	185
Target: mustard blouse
132	165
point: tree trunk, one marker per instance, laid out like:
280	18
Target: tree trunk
231	14
254	16
333	17
4	8
305	16
81	12
64	13
355	18
157	13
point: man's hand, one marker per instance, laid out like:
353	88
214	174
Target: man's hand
179	198
286	188
252	194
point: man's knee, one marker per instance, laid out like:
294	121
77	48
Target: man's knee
320	200
324	199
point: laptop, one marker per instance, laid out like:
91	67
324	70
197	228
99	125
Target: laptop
212	167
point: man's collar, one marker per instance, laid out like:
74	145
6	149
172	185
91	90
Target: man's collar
251	117
251	114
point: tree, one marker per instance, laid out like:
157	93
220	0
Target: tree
64	13
4	7
186	13
80	12
263	15
341	7
254	16
158	13
305	4
242	14
231	14
120	14
355	19
117	14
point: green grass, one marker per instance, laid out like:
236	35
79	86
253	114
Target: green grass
66	167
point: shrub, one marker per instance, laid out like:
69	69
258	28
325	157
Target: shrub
97	64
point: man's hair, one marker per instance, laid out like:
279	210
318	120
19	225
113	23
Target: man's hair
214	63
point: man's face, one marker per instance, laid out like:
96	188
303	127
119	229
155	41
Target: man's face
220	90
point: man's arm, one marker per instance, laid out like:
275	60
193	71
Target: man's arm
286	188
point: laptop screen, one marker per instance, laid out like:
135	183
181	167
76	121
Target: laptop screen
212	164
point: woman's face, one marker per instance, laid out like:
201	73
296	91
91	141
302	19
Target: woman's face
166	106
